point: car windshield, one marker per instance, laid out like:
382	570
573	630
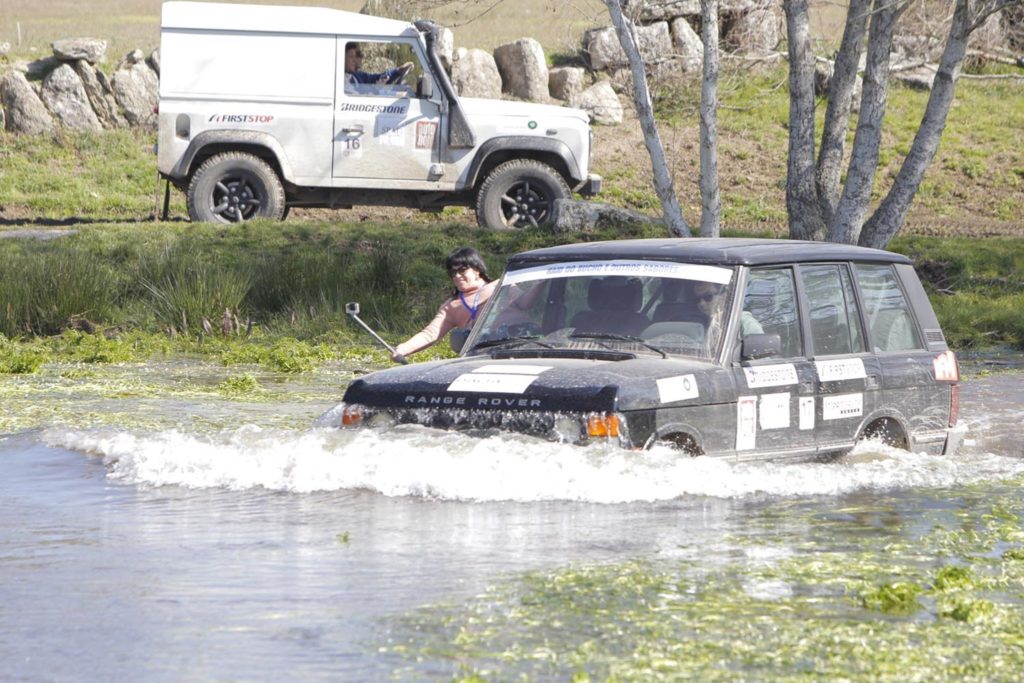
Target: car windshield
635	307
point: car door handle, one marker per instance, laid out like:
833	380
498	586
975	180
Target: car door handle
871	382
353	129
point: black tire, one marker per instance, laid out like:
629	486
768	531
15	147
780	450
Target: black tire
235	187
519	194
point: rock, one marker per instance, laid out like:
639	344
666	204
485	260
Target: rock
601	102
653	41
647	11
136	89
572	215
100	94
130	59
64	95
565	82
92	50
26	113
474	74
37	70
756	31
688	46
823	72
446	47
5	48
154	61
602	44
523	69
917	79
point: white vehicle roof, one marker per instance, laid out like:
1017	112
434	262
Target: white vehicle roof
279	19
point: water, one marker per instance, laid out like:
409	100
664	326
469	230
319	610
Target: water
153	527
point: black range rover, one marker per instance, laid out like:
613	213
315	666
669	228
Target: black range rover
726	347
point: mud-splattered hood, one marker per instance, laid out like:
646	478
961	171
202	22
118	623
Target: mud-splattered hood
544	384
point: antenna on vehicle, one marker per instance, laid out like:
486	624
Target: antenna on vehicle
352	309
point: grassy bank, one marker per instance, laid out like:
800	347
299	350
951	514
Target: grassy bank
275	293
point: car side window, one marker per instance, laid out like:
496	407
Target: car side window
770	303
380	69
835	319
889	318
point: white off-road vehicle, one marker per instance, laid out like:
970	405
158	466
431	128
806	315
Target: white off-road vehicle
258	114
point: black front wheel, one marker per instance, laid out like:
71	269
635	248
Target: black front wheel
235	187
519	194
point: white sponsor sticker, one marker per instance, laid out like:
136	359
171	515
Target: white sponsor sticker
842	406
835	370
746	423
390	132
946	368
513	369
806	412
779	375
489	383
681	388
774	411
351	146
681	271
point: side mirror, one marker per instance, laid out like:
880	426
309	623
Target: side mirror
425	87
761	346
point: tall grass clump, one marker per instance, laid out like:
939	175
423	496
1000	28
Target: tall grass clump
44	292
307	282
189	293
384	274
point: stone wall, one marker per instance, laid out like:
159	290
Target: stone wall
67	90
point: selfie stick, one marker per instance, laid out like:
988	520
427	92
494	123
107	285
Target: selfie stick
352	308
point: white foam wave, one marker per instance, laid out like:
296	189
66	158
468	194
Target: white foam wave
413	461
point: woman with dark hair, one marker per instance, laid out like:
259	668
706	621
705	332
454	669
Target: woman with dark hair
472	288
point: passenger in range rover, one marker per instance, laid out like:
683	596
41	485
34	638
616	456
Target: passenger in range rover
472	288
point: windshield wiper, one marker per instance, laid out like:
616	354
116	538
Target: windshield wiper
509	341
617	337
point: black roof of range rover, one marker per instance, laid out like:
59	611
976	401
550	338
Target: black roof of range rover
722	251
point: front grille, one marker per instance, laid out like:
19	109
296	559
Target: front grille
535	423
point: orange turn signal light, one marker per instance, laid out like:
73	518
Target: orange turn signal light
351	416
603	426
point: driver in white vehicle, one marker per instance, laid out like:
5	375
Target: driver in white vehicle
355	76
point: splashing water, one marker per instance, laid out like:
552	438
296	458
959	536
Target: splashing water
415	461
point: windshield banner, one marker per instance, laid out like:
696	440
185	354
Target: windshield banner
680	271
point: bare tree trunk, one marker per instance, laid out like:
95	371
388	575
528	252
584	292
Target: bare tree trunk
710	194
805	219
892	212
837	114
663	186
860	178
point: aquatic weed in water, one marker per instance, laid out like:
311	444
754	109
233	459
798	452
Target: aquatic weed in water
240	386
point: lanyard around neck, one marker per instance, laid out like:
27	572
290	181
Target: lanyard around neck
472	309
